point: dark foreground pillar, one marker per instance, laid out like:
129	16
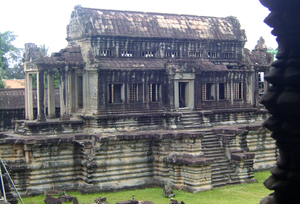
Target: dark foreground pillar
283	101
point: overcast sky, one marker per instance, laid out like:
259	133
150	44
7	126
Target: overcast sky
45	21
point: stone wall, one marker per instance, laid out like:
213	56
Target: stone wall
103	162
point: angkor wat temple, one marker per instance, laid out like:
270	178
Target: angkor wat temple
144	99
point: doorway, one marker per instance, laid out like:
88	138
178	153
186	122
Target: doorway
183	94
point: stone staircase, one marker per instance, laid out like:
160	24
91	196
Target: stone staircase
221	169
190	119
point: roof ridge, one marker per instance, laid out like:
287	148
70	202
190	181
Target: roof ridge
154	13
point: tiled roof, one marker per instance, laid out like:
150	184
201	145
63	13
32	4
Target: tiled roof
99	22
15	98
209	66
157	64
131	63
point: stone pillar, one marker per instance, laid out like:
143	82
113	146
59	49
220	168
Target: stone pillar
28	97
248	94
64	113
255	88
40	95
191	94
90	94
176	95
231	88
51	94
71	91
283	101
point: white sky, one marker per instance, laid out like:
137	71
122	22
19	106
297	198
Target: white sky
45	21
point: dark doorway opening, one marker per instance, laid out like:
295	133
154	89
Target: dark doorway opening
79	92
221	91
182	94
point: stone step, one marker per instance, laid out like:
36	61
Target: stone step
210	136
214	155
187	122
220	180
190	118
213	149
192	115
222	161
221	172
212	145
209	133
192	126
220	165
209	140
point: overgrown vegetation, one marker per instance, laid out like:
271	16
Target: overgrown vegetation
245	193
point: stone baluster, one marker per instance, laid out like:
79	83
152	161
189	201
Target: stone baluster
283	101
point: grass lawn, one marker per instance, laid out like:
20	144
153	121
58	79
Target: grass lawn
245	194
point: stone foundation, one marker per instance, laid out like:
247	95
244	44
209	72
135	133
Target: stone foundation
107	161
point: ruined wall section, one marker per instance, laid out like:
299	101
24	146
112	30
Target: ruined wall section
251	139
258	140
91	163
42	164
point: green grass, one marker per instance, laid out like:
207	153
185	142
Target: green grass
245	194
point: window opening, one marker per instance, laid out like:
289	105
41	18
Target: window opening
208	92
223	91
211	54
153	92
104	53
227	55
147	54
195	54
135	93
238	90
125	53
172	54
115	93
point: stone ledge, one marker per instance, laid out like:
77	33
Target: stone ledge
189	161
136	114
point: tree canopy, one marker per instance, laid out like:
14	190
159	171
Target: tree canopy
10	58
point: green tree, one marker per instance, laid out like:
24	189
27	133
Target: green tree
15	69
44	50
9	54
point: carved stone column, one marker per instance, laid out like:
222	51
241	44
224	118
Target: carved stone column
40	95
71	91
63	89
283	101
28	97
51	94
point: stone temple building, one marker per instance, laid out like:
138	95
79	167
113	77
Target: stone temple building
145	99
